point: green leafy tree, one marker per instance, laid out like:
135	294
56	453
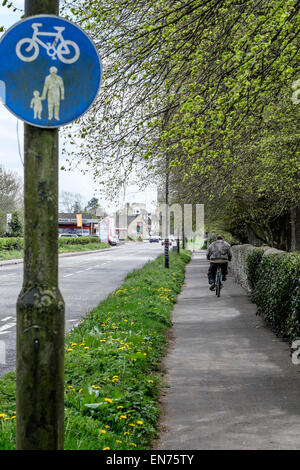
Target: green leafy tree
15	225
207	83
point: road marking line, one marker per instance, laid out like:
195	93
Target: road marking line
6	318
78	272
6	327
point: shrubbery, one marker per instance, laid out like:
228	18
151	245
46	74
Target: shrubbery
78	240
275	283
11	243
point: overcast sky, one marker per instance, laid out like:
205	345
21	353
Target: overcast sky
11	139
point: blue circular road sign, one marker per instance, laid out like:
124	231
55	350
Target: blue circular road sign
50	71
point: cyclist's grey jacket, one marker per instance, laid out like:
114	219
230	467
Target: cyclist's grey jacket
219	252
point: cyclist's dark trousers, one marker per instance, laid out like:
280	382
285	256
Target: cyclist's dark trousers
213	269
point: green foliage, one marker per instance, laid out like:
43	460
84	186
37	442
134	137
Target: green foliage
11	247
11	243
276	290
253	262
210	85
113	374
15	226
78	241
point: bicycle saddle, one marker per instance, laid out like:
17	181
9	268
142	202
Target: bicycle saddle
59	28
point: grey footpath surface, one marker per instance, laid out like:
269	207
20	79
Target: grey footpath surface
232	383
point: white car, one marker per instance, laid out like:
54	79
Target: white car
67	235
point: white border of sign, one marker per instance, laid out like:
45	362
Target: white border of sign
93	44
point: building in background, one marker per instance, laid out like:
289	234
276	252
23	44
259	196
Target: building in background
67	223
133	221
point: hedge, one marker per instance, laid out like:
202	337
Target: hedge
275	284
11	243
78	240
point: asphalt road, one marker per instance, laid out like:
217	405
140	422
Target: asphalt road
84	280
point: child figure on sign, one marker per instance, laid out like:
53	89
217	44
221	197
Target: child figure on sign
36	104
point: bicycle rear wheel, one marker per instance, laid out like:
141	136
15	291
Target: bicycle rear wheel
218	283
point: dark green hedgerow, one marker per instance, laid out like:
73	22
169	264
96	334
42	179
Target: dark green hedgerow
113	359
253	262
12	248
275	282
62	241
11	243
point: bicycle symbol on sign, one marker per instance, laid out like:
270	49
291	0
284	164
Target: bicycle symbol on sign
67	51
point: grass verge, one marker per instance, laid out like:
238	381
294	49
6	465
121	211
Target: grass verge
11	254
87	247
113	376
16	254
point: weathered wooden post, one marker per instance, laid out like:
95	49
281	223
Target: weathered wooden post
40	306
45	56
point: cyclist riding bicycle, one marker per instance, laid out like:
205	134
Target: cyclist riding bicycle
219	253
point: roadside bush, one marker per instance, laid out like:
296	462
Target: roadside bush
78	241
275	281
11	243
253	262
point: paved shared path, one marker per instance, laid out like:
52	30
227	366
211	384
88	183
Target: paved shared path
84	280
232	381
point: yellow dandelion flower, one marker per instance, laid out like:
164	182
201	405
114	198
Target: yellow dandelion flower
118	442
133	444
120	407
123	417
106	448
140	422
109	400
107	427
126	433
102	431
131	424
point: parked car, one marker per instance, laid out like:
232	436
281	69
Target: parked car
67	235
113	241
154	239
163	242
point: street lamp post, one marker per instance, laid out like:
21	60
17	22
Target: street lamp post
166	251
